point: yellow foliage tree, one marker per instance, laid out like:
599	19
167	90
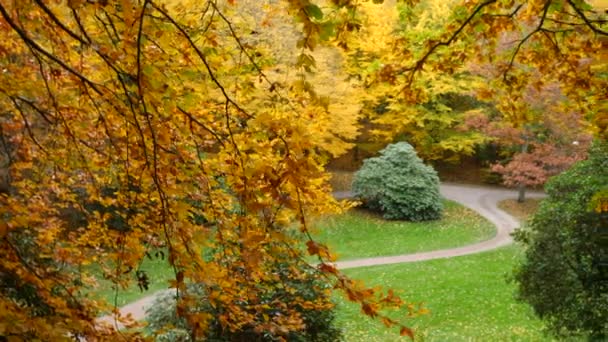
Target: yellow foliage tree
529	43
431	120
129	126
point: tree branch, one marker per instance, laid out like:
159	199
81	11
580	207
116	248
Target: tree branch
525	39
28	41
58	22
202	58
200	124
418	65
587	21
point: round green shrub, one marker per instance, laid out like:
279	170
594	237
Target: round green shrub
399	185
564	275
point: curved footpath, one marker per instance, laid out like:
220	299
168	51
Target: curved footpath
483	200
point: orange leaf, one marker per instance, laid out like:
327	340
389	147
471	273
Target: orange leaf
327	268
313	247
405	331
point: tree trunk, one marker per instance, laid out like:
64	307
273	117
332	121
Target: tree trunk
521	196
521	188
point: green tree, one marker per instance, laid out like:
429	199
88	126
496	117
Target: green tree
564	275
399	185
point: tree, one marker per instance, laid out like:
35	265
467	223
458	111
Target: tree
564	275
164	117
539	128
540	45
532	50
535	163
561	40
399	185
541	142
432	121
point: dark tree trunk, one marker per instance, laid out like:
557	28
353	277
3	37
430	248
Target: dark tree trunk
521	188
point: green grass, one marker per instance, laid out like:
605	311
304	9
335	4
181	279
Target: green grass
358	234
159	273
469	299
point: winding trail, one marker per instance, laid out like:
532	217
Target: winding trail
484	200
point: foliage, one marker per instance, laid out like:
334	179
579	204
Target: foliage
536	44
540	137
398	184
533	168
560	41
564	275
432	122
317	324
163	116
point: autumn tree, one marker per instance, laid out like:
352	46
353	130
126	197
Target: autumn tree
544	141
432	54
157	125
320	323
532	48
540	131
431	122
547	42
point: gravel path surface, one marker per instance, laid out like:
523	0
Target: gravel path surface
481	199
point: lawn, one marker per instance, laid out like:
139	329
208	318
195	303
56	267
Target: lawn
359	234
356	234
159	273
469	298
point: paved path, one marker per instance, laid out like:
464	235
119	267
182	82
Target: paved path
481	199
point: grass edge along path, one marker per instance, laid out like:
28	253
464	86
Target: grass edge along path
360	234
470	299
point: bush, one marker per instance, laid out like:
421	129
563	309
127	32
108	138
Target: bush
318	323
398	184
564	275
